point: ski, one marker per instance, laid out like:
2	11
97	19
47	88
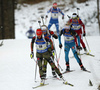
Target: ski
40	86
68	71
89	54
66	83
84	54
87	71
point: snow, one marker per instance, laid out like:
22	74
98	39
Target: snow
17	69
29	15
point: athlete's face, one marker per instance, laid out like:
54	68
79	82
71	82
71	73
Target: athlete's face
67	30
39	36
44	31
75	19
54	6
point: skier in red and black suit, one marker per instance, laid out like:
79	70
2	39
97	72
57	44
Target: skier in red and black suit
76	25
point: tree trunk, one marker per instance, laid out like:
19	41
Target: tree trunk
7	30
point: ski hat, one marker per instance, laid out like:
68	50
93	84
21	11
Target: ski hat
43	28
39	32
74	16
55	4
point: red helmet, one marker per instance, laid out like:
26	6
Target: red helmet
55	4
38	32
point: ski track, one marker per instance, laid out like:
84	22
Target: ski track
17	70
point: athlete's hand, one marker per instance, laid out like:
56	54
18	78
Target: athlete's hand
79	47
84	34
32	55
62	17
46	16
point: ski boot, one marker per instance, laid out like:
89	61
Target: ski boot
68	69
82	68
42	82
64	81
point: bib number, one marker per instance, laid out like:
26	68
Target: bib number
54	15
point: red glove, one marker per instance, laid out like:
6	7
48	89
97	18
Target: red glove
51	32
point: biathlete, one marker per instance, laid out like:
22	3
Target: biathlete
69	43
54	17
42	51
49	33
77	25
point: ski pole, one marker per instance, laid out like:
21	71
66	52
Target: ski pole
45	20
87	44
77	11
35	70
59	65
39	23
68	16
59	57
42	19
56	56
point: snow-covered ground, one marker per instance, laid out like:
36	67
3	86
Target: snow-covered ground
28	15
17	69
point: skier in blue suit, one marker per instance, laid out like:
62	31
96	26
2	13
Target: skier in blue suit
54	17
69	38
30	33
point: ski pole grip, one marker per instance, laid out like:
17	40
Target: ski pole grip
42	16
39	21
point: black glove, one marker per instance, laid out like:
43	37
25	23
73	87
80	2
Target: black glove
79	47
62	17
84	34
32	55
60	45
46	16
55	36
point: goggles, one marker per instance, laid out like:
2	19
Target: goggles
43	31
74	16
43	28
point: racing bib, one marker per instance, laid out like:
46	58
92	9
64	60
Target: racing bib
54	15
69	38
41	47
76	27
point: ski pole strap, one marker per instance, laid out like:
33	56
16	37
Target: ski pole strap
34	60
